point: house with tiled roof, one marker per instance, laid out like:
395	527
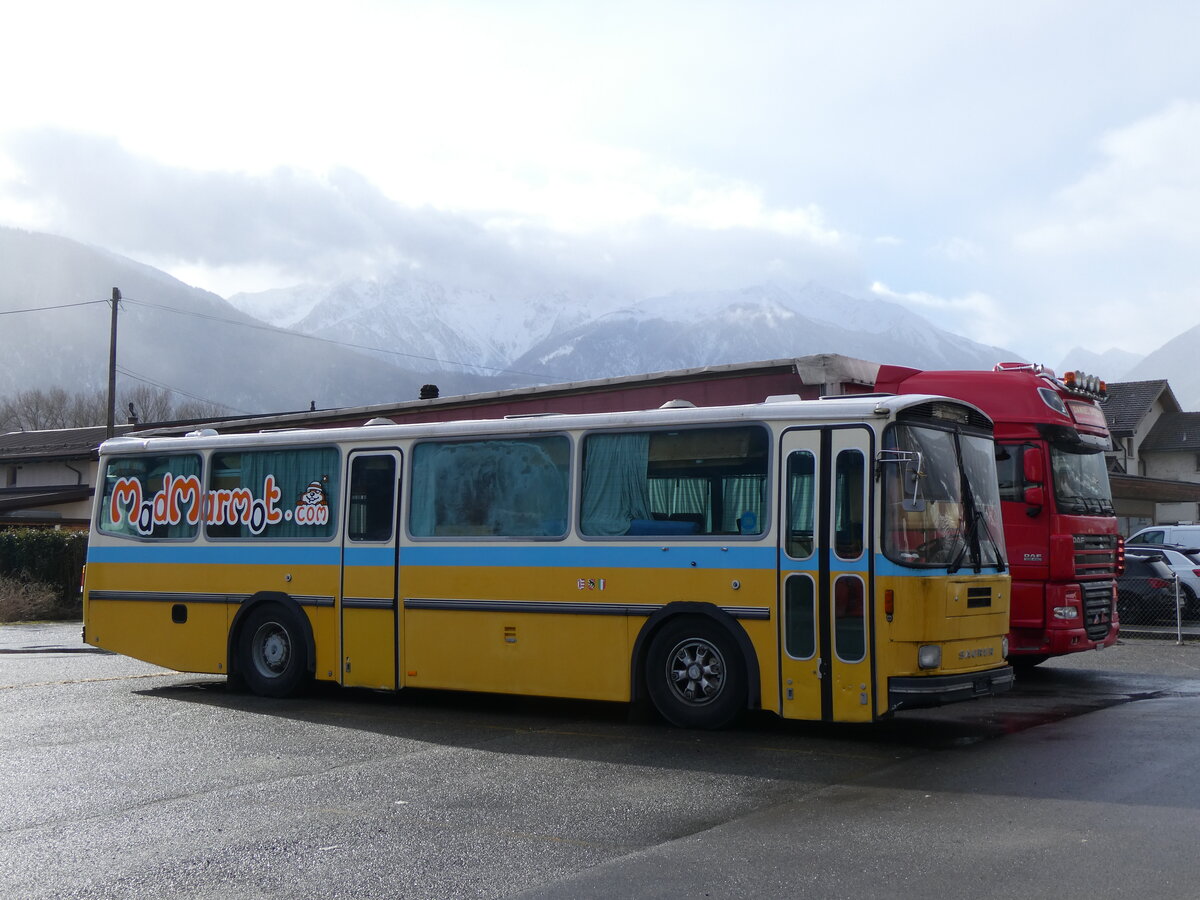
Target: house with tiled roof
1172	450
1154	465
1132	409
48	478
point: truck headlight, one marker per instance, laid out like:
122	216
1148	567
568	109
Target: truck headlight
1066	612
929	656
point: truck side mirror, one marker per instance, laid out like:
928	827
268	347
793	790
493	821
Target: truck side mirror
1031	466
1035	499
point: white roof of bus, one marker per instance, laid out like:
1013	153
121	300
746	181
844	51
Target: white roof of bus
841	408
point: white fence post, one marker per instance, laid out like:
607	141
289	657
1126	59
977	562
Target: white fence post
1178	614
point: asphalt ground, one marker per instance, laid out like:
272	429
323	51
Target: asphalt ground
121	780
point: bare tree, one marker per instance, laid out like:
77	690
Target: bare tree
38	410
89	408
149	403
200	410
35	410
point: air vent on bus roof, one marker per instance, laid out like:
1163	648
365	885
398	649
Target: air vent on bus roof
202	432
782	398
678	404
380	420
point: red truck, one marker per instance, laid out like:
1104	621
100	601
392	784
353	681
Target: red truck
1060	529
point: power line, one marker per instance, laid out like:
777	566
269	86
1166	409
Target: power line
11	312
311	337
182	393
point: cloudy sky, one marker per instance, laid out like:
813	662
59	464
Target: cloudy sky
1024	173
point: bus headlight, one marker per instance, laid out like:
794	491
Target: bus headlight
1004	646
929	656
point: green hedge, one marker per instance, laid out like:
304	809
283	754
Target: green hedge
54	558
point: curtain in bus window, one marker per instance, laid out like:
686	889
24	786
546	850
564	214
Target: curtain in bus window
491	488
615	489
305	479
801	499
681	496
743	503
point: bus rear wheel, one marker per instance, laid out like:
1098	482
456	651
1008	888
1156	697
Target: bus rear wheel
273	652
695	674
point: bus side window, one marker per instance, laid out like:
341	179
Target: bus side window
278	493
494	487
801	504
372	498
848	504
152	497
693	481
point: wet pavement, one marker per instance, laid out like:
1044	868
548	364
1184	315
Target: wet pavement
119	779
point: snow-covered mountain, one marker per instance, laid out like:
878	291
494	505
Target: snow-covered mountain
567	337
763	322
418	322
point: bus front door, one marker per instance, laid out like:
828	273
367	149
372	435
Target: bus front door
368	615
826	650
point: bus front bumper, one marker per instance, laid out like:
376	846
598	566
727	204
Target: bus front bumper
934	690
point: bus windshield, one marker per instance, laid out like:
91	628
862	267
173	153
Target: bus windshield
1081	483
942	499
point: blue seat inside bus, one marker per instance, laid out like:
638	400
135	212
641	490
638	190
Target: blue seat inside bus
662	526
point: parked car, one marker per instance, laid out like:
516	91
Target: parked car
1187	535
1146	590
1184	562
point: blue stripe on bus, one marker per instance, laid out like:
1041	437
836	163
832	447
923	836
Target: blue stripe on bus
178	554
649	556
640	557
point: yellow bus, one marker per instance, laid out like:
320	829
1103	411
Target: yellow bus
834	560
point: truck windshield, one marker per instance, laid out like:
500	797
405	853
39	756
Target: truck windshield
1080	483
947	512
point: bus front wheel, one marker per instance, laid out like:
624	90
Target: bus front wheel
695	674
273	652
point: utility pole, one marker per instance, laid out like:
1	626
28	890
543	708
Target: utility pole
112	364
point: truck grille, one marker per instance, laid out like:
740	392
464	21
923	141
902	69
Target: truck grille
1097	608
1095	555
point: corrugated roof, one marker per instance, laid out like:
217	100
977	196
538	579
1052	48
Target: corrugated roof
60	443
1129	402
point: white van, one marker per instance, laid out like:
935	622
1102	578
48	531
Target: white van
1180	535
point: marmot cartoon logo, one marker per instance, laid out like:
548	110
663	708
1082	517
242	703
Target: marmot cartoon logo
314	494
312	507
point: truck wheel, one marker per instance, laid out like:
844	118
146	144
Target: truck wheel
695	674
273	651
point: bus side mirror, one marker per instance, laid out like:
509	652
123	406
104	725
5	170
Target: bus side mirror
1035	499
913	501
1031	466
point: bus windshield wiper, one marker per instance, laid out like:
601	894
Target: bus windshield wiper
972	538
